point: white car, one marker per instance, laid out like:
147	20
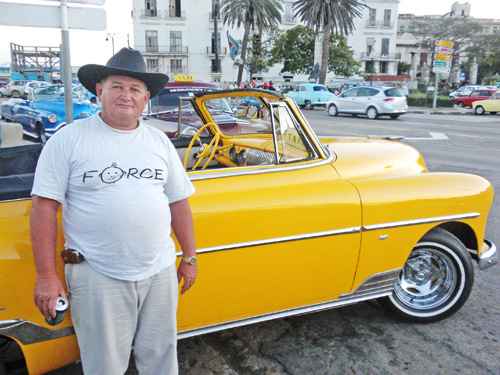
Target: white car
31	86
463	91
371	101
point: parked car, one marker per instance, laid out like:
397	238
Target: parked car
309	95
15	89
466	101
371	101
42	116
465	90
491	105
30	86
285	224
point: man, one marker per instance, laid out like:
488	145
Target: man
122	187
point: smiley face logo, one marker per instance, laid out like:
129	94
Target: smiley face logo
111	174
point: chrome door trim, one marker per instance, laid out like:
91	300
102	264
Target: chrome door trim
30	333
333	232
383	289
404	223
241	245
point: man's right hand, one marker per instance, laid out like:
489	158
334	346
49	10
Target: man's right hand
47	290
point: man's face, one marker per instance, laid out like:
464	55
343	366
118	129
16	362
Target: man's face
122	98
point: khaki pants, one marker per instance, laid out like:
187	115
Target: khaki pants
111	316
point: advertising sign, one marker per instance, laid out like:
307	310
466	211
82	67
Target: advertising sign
443	54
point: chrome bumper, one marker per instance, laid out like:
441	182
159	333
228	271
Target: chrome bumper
489	256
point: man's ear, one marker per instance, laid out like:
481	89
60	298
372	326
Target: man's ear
98	89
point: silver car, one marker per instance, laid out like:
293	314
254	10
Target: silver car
370	101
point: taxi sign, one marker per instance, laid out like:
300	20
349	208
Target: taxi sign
183	78
445	43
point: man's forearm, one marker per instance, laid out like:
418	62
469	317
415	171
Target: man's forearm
43	222
182	224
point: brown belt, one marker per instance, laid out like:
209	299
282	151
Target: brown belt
70	256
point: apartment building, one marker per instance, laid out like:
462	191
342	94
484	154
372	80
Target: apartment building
177	36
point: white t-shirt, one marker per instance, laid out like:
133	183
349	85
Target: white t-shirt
115	187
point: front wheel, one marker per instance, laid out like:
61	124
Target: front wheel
42	136
307	105
435	281
332	110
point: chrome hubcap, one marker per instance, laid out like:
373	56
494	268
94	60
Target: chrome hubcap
427	280
372	113
332	110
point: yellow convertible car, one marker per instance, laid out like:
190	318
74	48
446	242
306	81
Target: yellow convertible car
286	224
491	105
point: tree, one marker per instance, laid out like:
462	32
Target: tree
251	15
259	52
295	50
487	56
330	17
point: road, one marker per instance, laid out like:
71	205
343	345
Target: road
363	339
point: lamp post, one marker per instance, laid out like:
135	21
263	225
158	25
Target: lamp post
112	37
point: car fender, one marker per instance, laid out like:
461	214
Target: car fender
399	211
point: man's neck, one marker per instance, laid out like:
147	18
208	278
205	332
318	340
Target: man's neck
129	124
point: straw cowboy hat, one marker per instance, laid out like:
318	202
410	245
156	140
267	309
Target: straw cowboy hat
126	62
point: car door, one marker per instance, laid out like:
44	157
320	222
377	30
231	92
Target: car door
272	237
346	100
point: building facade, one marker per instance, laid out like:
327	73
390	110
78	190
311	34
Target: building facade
177	37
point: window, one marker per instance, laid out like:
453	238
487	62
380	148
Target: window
176	41
350	93
367	91
387	17
370	43
289	17
319	88
423	58
384	67
397	93
150	9
152	65
372	20
174	8
151	41
291	143
219	45
385	46
176	66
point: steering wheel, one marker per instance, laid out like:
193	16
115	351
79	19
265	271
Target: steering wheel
207	151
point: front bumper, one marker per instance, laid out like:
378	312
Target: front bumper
489	256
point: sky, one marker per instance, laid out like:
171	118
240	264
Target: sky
91	46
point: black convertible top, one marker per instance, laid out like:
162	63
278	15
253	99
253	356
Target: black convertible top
17	169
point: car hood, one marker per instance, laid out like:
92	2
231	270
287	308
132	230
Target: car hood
362	158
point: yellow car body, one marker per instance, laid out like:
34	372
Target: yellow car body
487	106
273	240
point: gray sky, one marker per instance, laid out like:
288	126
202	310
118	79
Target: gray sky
91	46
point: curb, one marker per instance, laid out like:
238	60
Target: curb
437	112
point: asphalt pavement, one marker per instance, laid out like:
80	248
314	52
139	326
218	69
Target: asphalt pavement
362	338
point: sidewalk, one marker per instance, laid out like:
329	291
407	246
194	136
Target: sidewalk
440	111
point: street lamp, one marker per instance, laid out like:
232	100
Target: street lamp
112	37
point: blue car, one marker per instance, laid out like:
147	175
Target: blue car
45	114
309	95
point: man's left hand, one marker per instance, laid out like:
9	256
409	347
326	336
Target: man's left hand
186	272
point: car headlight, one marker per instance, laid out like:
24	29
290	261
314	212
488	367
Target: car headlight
52	118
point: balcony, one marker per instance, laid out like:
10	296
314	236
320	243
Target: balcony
211	52
169	51
380	57
158	14
380	25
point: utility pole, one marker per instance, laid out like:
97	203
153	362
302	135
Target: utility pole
216	35
66	65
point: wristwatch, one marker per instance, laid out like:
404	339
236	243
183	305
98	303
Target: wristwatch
190	260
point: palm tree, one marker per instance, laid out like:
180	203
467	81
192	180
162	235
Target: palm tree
250	14
329	16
